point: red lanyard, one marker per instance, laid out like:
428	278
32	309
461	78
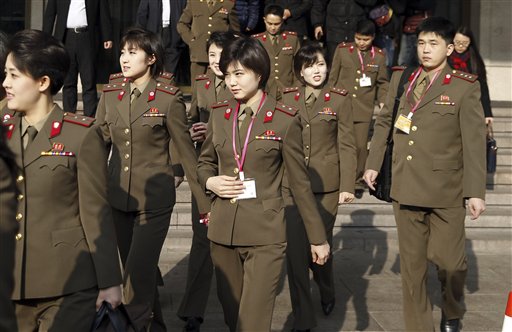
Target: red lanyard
240	161
409	89
361	58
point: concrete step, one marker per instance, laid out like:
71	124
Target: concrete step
502	125
372	215
502	176
501	112
504	157
504	140
478	240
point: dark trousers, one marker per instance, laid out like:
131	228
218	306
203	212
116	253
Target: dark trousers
72	312
80	47
299	260
200	271
140	237
436	235
247	280
173	48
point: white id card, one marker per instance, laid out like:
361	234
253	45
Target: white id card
250	189
365	81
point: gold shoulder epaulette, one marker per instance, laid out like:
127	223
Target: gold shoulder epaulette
258	35
465	76
202	77
343	45
220	104
398	68
339	91
115	76
291	89
112	87
289	110
167	88
81	120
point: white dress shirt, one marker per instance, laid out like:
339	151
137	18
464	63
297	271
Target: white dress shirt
77	16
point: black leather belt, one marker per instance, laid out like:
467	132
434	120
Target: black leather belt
79	29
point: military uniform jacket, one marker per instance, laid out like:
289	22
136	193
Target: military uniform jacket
199	20
66	242
346	73
442	160
8	229
140	168
204	96
281	59
328	138
275	142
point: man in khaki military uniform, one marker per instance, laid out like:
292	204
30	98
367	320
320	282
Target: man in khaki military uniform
438	168
360	68
199	20
281	47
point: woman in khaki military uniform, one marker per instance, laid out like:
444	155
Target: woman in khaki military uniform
140	115
250	139
66	261
209	89
330	156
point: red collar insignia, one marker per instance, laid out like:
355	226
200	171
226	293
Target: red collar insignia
327	96
56	127
151	96
207	84
297	96
10	130
227	113
120	95
269	115
447	79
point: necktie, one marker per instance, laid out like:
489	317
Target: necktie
419	90
135	94
245	118
31	134
310	101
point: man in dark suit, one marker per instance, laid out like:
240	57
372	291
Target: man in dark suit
296	13
161	17
78	23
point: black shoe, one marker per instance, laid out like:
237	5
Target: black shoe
193	325
359	193
451	325
328	307
295	330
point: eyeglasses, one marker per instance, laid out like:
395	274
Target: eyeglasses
461	43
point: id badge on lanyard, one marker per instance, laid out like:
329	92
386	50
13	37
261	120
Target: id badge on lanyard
365	81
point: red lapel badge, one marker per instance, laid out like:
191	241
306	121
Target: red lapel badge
120	95
445	98
297	96
151	96
58	147
207	84
264	37
351	48
327	96
153	110
227	113
56	127
447	79
268	116
270	133
10	130
284	36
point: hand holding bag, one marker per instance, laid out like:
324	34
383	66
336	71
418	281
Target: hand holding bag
108	319
492	150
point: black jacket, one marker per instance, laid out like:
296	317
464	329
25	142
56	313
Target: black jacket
98	16
299	9
149	14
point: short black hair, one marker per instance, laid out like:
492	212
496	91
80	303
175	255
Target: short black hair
37	54
273	10
307	55
149	42
221	39
439	26
251	55
365	28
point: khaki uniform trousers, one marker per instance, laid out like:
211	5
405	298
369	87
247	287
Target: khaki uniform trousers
299	260
72	312
140	237
436	235
200	271
247	281
361	130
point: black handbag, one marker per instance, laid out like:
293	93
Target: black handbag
383	181
108	319
492	150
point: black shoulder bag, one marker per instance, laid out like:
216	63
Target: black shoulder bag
383	186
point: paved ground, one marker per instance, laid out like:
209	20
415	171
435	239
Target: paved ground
367	284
